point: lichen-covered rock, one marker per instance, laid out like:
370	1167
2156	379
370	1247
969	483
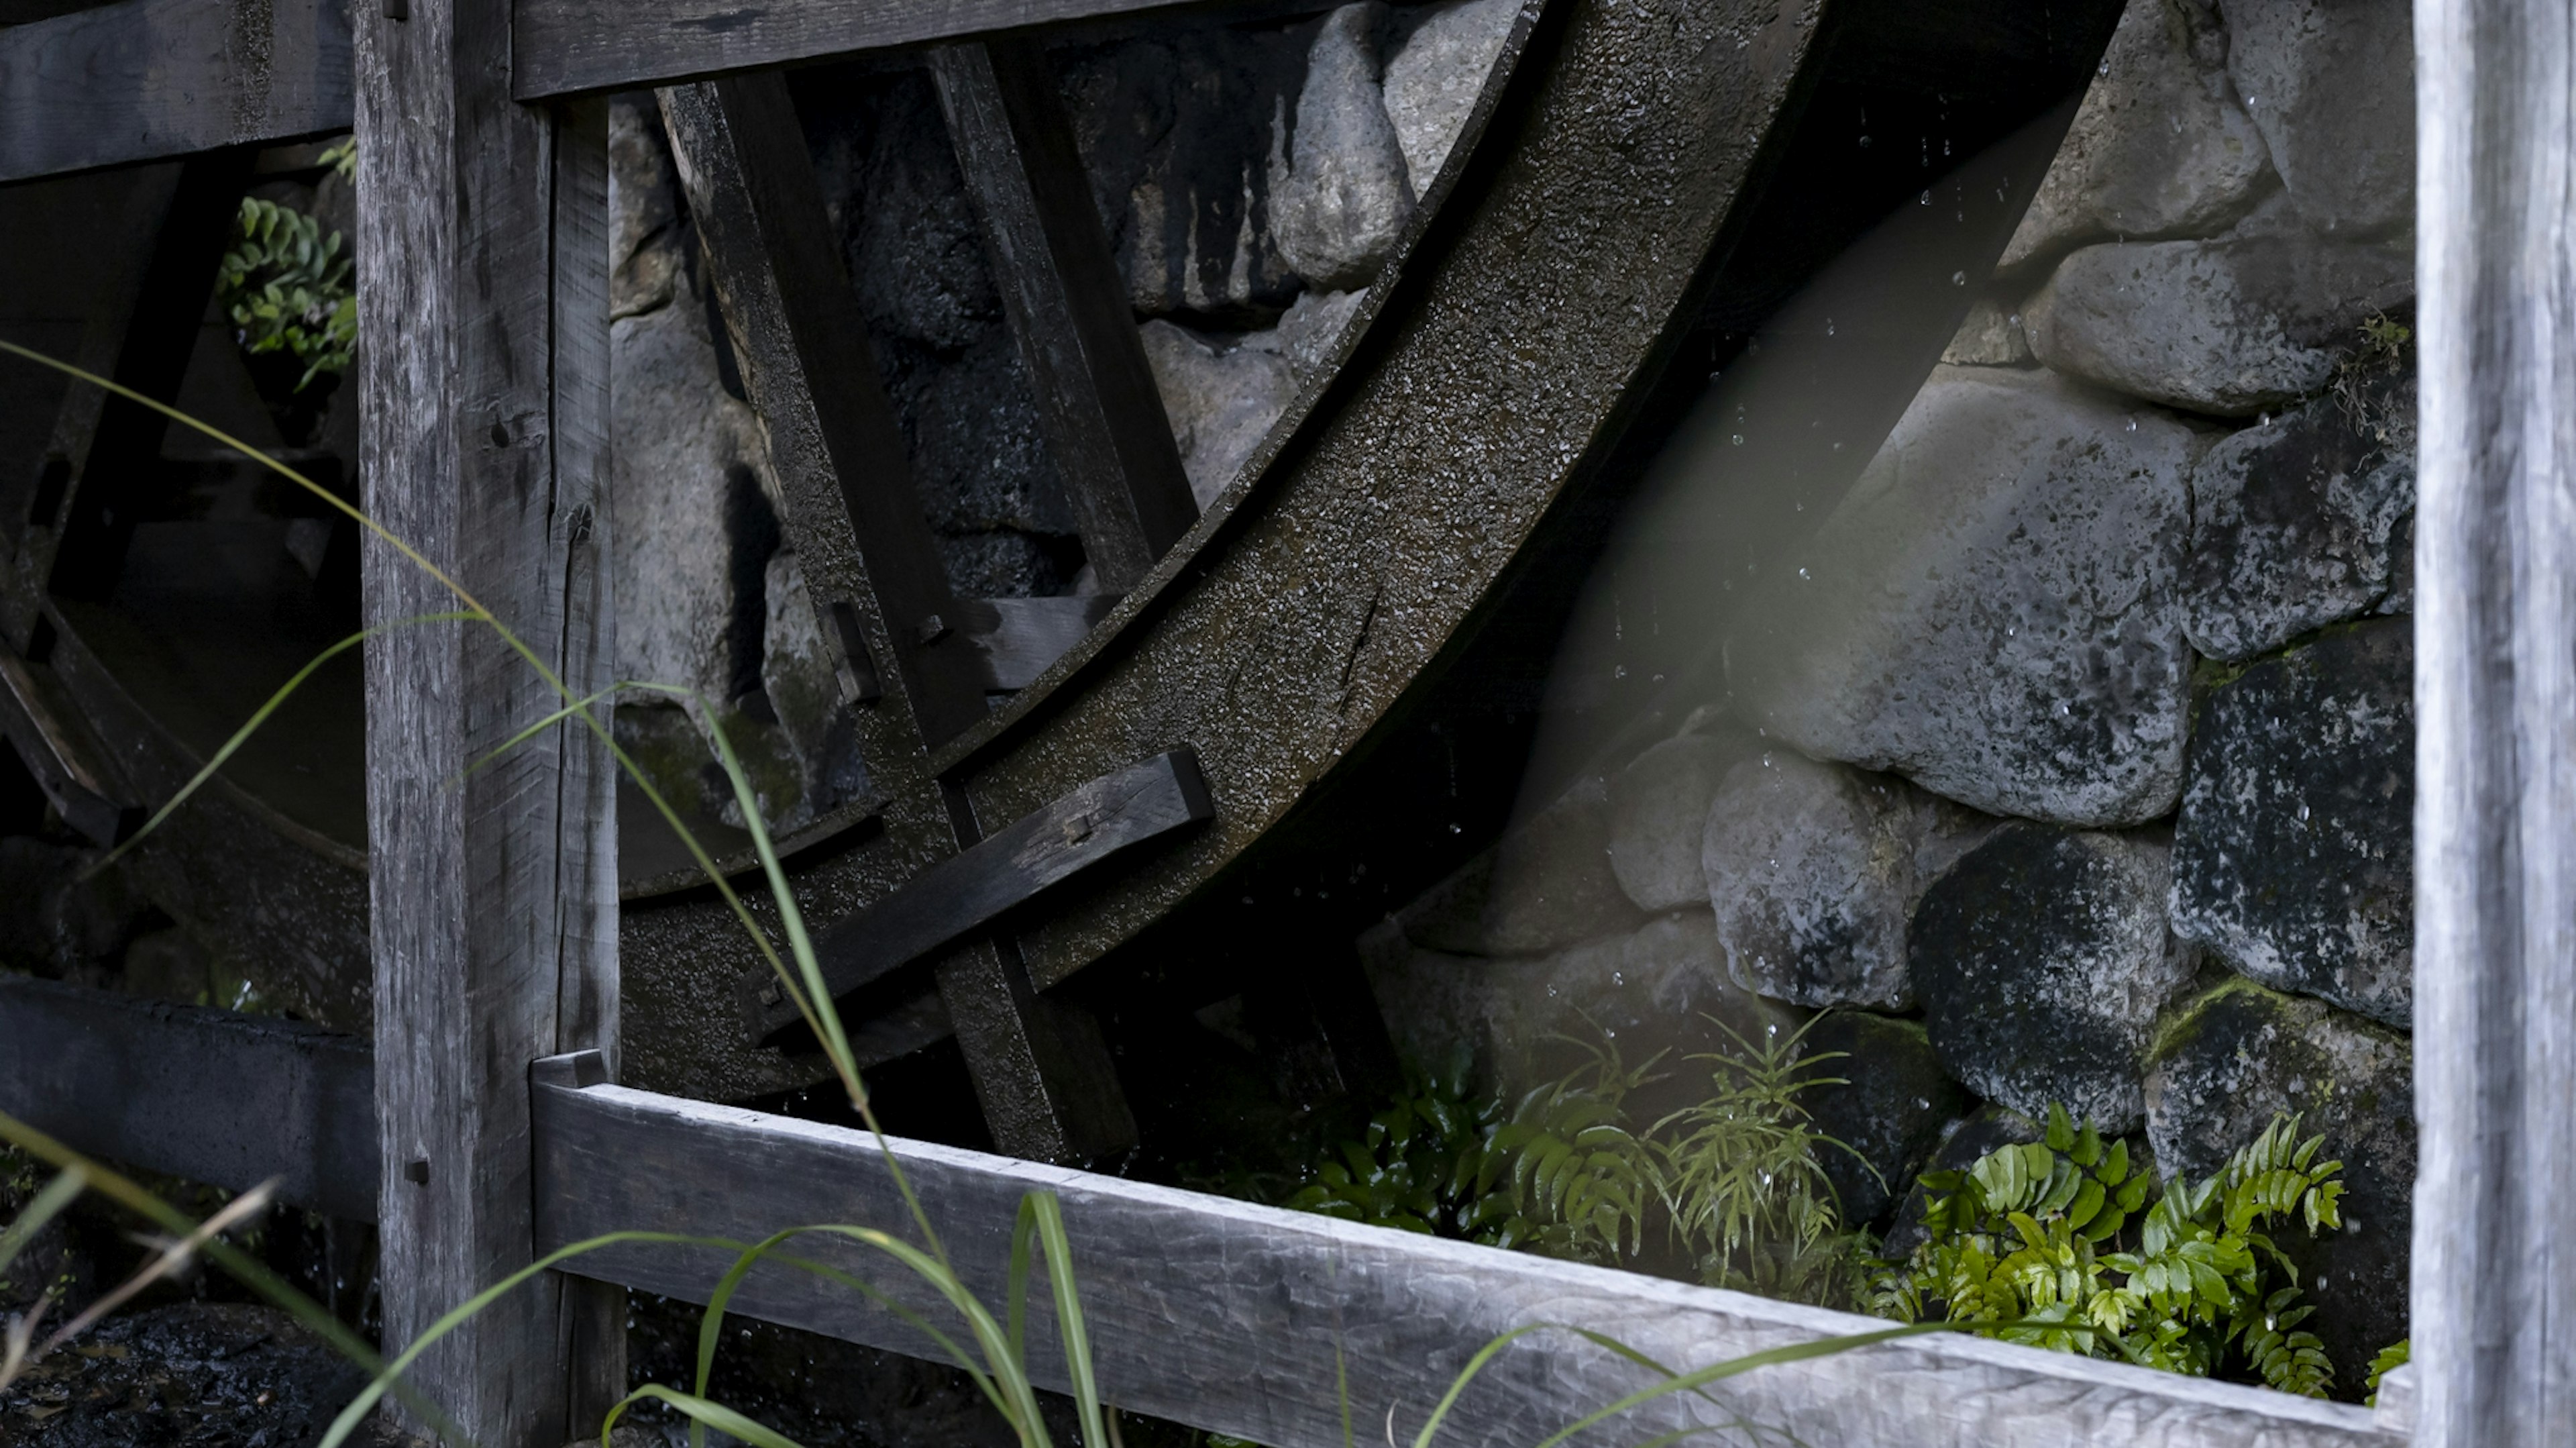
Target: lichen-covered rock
2042	959
2296	524
2160	146
1990	336
1659	814
1812	870
1891	1108
2331	85
1339	189
1984	1129
1546	884
2243	1053
1993	611
2294	852
2221	327
1435	73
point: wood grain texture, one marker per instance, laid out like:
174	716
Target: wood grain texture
1066	301
1006	871
566	46
215	1097
2495	688
151	78
482	297
1228	1316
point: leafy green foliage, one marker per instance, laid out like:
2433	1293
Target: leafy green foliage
2048	1240
2392	1357
286	287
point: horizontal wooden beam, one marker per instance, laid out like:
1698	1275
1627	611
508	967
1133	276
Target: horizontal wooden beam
987	880
146	79
1020	638
1238	1318
216	1097
563	47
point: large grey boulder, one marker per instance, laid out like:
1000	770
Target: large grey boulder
2331	85
2160	146
1547	883
2298	523
1812	870
1225	391
1435	73
2043	960
645	229
1339	189
1659	814
2242	1054
2294	852
2222	327
1993	611
1889	1107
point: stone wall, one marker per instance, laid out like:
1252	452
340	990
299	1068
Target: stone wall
2077	765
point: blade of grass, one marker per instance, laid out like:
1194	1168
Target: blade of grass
170	1259
58	1194
702	1415
1070	1328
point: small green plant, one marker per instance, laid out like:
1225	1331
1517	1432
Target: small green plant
2392	1357
285	285
2047	1244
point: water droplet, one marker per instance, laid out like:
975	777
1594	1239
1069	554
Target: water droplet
1802	573
1829	326
1864	143
1737	439
1958	279
1618	977
2133	424
1927	198
2303	814
1551	990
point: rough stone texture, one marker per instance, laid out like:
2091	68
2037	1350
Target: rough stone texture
1659	812
2331	86
2159	148
1435	75
1990	337
2243	1053
2043	959
2294	852
1891	1110
1986	1128
203	1374
2296	523
1548	883
1339	189
2221	327
1224	392
804	694
57	923
645	226
1993	611
1812	870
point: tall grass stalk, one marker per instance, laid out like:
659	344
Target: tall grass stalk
996	1360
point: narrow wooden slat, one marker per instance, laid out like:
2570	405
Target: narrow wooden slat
230	1100
1240	1319
565	46
59	755
482	299
1019	638
1067	305
152	78
1007	870
853	515
2494	1284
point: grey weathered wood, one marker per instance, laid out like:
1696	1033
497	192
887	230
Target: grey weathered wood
1003	872
58	754
852	512
209	1095
152	78
1067	304
483	301
565	46
1019	638
2495	688
1236	1318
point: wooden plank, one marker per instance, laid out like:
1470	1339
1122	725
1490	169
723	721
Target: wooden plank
853	514
209	1095
482	299
1020	638
59	754
1067	304
152	78
1237	1318
1014	866
2495	687
568	46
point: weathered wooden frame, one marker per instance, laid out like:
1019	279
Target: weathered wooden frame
2496	796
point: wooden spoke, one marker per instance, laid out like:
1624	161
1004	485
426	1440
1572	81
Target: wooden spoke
57	750
151	78
1067	303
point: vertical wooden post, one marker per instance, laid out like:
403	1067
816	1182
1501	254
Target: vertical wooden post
2495	680
482	253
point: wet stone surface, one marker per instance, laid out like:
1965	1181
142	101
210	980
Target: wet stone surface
194	1375
2241	1054
2043	961
1895	1104
2294	851
1659	813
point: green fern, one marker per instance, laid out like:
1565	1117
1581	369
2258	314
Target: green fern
286	287
2392	1357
